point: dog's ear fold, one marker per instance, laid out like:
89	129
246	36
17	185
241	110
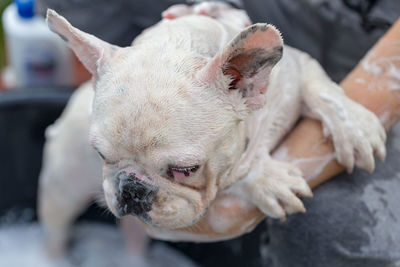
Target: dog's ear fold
247	60
93	52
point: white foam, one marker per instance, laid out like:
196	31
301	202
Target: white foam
359	80
93	244
388	67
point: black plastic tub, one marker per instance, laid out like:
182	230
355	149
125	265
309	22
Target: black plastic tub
24	116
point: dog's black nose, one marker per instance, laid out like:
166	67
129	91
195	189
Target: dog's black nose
134	196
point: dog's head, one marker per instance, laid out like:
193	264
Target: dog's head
169	124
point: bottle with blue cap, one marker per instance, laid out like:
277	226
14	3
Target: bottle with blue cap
36	56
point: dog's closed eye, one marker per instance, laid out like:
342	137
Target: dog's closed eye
103	157
176	172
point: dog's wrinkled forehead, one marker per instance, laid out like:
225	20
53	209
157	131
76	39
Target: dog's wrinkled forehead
140	109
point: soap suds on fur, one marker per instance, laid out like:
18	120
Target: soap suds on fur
222	224
311	167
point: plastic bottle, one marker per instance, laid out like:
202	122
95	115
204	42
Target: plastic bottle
37	56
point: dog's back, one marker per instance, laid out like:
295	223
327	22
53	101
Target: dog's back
194	33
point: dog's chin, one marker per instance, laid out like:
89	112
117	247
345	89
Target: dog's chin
175	213
172	222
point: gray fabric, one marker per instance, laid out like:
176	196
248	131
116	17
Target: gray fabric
353	220
333	33
116	21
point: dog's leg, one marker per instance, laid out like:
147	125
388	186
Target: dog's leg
59	205
356	132
71	172
136	238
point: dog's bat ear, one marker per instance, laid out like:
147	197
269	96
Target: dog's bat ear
93	52
248	60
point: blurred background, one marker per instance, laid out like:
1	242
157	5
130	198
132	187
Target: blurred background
39	74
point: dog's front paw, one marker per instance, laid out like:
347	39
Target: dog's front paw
357	135
275	189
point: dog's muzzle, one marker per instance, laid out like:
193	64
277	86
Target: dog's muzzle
134	196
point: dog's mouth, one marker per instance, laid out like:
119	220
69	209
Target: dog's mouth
162	205
161	210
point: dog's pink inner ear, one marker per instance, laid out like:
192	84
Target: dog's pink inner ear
248	60
236	77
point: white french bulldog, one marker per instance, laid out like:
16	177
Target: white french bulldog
192	108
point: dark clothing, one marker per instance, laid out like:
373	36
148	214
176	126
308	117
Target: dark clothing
352	220
338	33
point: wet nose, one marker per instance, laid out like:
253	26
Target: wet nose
135	196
